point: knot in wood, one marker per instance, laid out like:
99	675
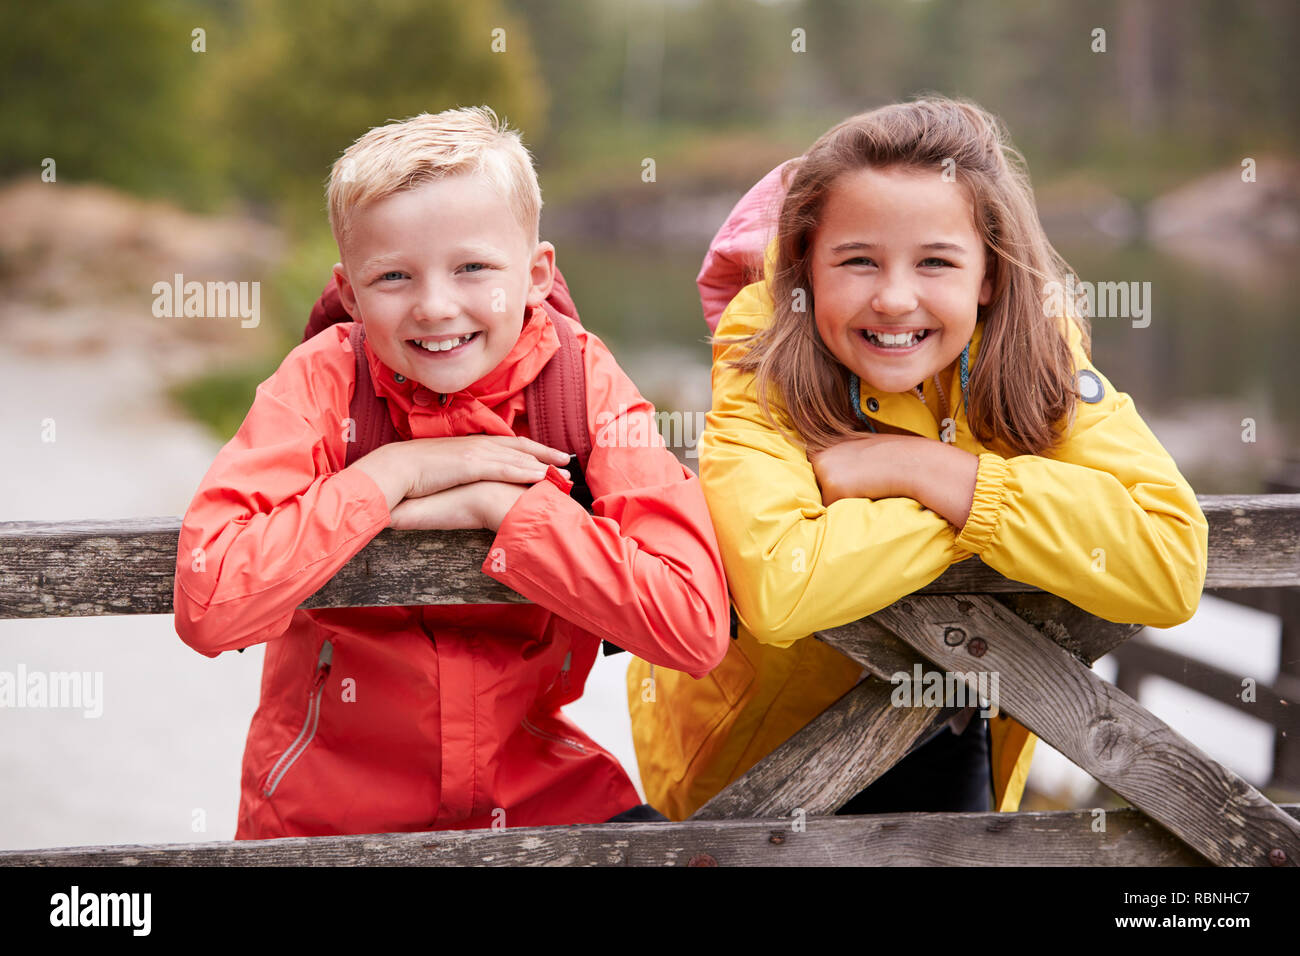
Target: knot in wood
953	636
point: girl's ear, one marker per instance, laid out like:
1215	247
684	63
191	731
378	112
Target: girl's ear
347	295
541	274
986	287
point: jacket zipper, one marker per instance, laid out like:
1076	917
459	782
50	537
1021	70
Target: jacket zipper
299	746
536	731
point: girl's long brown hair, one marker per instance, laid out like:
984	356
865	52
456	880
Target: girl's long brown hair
1023	382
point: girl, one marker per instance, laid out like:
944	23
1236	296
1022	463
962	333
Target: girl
903	392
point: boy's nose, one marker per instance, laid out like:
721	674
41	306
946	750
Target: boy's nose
435	302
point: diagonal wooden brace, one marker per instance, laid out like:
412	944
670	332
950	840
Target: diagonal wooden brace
850	744
825	763
1101	729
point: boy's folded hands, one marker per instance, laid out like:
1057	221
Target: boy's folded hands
468	481
480	504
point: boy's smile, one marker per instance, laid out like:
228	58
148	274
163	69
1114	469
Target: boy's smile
898	274
442	275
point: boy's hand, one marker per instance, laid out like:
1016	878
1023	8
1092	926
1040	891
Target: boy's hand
426	466
480	504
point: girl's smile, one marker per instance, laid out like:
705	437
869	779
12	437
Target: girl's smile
895	341
898	274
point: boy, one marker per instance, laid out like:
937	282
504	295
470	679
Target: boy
388	719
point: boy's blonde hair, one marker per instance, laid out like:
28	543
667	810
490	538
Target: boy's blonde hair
428	147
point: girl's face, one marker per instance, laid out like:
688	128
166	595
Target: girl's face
898	274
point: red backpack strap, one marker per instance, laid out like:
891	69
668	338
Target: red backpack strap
371	421
556	402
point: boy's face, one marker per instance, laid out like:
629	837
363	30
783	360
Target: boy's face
442	276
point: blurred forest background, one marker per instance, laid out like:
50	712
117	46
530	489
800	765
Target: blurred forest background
1121	144
144	139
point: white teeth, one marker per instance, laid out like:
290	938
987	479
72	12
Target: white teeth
892	340
446	346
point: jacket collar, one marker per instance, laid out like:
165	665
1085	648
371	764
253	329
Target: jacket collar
500	391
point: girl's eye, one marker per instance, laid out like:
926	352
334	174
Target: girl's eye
934	261
857	261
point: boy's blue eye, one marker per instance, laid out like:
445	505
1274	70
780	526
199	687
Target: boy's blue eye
473	266
390	275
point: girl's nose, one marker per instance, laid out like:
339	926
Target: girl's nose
894	297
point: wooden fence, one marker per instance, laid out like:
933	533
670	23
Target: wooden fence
1188	810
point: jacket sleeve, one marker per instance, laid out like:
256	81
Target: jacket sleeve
275	518
794	564
643	569
1106	522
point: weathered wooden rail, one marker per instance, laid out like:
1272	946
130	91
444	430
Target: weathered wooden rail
1189	808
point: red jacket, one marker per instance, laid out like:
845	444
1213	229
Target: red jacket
392	719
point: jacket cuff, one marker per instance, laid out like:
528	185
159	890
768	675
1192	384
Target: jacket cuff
986	506
533	517
371	504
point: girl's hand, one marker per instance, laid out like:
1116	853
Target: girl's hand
874	466
480	504
938	475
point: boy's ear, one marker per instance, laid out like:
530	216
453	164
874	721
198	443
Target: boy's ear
541	274
347	295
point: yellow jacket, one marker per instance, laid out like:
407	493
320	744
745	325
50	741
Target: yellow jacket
1106	522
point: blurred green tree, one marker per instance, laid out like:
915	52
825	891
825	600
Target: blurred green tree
307	79
106	91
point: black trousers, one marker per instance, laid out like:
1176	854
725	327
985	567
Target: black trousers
642	813
946	773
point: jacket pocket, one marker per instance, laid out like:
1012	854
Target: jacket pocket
309	724
536	731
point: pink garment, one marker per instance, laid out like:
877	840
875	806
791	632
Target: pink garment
735	256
